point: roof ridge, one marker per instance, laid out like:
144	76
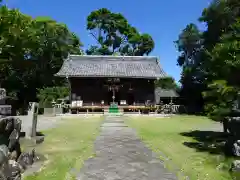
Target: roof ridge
109	57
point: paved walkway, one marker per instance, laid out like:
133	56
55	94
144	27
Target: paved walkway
120	155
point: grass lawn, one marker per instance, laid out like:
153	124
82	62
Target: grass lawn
187	149
67	146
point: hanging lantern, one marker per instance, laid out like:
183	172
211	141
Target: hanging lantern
130	88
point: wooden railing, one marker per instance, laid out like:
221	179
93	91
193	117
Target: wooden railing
138	107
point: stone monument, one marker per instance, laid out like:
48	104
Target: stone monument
32	117
5	110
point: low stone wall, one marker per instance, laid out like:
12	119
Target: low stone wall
59	110
5	109
12	161
51	111
48	111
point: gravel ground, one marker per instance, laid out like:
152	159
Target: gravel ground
48	122
43	123
120	154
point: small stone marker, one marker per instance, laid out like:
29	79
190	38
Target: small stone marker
32	114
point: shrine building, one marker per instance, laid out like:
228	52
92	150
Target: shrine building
102	80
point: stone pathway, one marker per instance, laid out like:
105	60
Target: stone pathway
120	155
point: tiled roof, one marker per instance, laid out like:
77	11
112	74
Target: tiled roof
111	66
163	93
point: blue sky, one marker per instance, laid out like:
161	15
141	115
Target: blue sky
163	20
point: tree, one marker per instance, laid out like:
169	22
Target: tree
225	56
114	34
32	51
189	44
166	83
213	57
219	16
222	44
222	93
47	95
221	99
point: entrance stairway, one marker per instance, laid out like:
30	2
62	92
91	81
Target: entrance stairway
113	110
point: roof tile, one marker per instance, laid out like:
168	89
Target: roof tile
111	66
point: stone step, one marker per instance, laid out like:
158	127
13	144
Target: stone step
113	114
114	125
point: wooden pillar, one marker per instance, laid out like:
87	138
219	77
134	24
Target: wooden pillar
113	97
70	89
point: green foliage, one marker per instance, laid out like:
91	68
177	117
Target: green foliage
114	34
225	60
31	52
225	56
219	16
47	95
166	83
188	44
221	98
212	55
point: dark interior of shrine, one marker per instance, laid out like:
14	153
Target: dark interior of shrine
96	90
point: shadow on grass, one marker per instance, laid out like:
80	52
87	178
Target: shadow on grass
208	141
214	143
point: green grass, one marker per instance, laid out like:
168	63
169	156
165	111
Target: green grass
164	135
67	146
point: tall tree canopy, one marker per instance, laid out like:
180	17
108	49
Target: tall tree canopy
211	67
31	52
113	34
189	45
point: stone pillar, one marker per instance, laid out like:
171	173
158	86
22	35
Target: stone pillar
32	115
54	110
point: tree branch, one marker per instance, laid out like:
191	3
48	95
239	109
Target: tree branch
96	38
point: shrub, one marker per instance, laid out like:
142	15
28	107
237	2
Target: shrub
220	99
48	94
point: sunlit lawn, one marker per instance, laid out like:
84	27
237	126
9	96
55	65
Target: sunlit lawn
164	135
67	146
